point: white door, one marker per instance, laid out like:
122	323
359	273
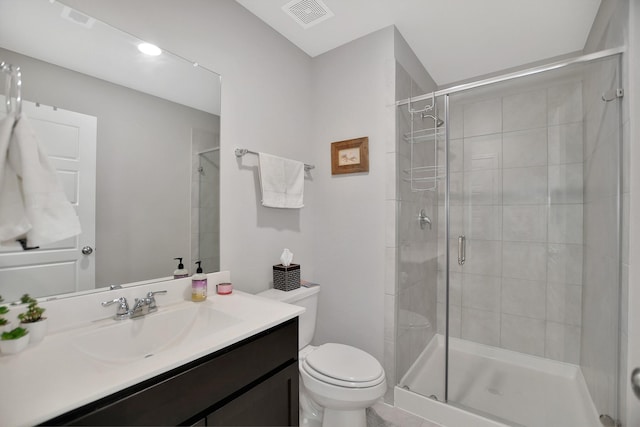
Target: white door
69	139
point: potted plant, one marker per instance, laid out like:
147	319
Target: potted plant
14	341
5	324
32	319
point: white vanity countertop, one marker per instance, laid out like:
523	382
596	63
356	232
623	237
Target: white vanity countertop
53	377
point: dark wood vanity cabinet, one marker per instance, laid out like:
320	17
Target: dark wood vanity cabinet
251	383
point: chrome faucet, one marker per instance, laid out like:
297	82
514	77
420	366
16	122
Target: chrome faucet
142	306
123	308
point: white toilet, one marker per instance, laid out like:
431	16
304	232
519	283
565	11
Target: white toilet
337	382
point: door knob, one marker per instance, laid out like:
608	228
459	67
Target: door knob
635	382
87	250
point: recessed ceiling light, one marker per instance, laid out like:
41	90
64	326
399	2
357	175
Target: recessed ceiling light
149	49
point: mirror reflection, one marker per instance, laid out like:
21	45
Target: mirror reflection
135	140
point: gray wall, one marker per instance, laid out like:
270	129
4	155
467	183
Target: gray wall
143	168
352	97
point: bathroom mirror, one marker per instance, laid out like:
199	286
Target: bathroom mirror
135	139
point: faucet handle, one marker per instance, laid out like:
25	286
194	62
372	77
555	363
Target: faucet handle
151	300
123	308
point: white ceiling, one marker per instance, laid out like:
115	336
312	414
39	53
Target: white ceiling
454	39
42	29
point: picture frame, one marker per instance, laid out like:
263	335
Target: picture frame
350	156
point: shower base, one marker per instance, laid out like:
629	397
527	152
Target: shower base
491	387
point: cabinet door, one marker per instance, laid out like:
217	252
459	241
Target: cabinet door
273	402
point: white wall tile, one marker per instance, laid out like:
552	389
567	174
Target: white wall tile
482	257
564	263
455	287
389	317
525	185
524	260
564	103
390	271
562	342
483	152
525	148
525	110
565	183
565	223
524	297
391	183
564	303
482	118
482	222
483	187
391	207
565	143
456	120
456	155
480	326
525	223
455	319
523	334
481	292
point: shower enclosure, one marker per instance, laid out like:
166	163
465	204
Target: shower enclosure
508	255
205	226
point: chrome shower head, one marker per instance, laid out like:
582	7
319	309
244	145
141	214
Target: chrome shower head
438	120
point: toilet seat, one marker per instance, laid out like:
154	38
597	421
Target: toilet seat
343	366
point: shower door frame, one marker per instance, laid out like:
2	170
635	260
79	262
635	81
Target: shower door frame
446	93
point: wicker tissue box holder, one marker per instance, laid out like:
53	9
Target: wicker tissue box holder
286	278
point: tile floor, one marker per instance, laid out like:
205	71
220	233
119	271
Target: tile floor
383	415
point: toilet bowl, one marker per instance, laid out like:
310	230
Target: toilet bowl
337	382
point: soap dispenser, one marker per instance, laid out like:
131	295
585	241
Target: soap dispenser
199	285
180	272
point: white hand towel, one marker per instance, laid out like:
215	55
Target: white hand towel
13	218
51	216
282	182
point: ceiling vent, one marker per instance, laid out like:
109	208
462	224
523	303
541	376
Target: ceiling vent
307	13
77	17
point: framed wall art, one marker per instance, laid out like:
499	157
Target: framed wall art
350	156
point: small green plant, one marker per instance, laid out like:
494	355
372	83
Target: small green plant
33	313
14	334
3	310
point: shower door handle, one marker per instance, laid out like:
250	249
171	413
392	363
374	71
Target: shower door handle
461	249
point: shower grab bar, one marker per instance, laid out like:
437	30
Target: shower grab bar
461	249
242	151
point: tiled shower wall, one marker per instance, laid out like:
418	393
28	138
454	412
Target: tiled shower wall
417	248
516	195
601	243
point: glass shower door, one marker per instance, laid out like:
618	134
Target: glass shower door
532	163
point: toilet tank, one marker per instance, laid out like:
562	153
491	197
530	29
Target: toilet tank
303	297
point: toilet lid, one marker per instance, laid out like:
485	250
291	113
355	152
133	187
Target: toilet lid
344	365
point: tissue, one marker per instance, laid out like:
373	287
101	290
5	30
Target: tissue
286	257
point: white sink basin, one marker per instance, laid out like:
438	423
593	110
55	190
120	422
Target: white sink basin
133	339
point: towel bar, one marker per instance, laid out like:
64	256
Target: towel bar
242	151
